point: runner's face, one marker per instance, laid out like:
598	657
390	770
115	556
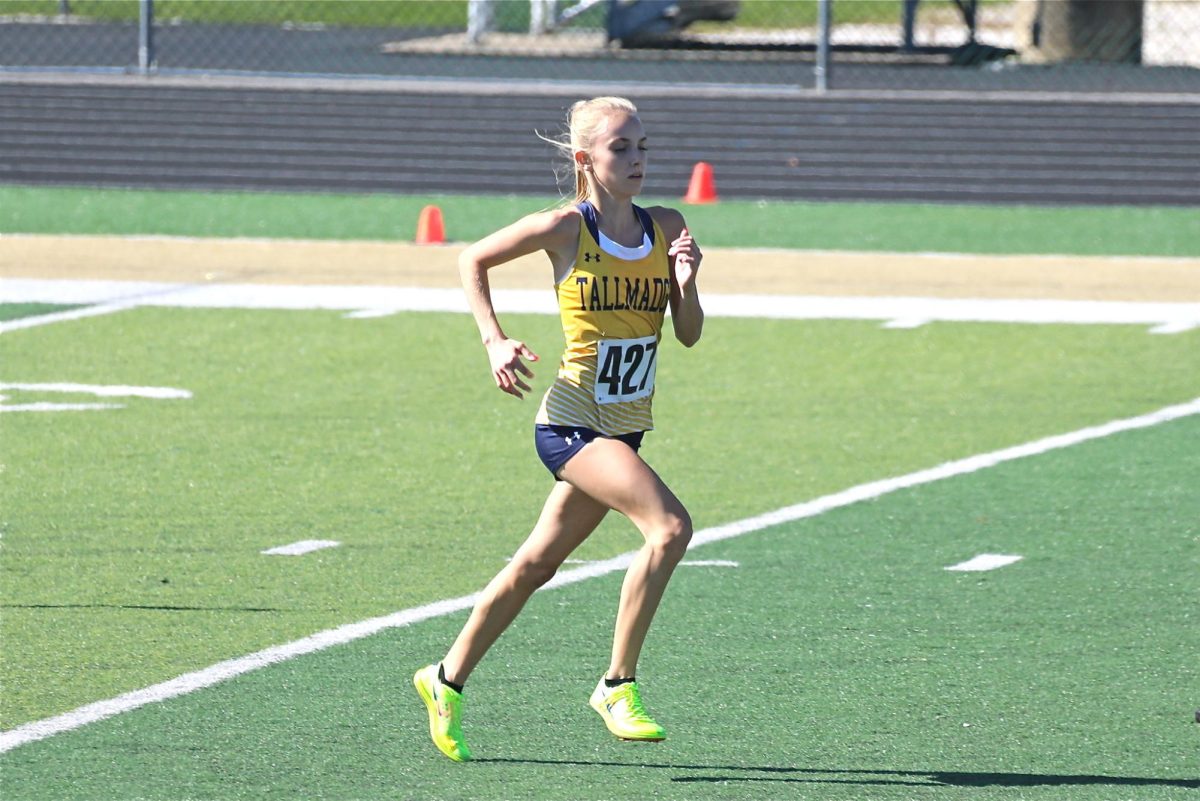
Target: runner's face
618	155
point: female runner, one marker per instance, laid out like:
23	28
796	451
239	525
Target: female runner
617	268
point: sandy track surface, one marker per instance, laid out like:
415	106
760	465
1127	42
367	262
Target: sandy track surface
725	271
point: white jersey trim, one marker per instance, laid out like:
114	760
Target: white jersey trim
615	249
627	253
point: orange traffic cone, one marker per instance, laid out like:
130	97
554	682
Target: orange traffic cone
430	230
702	189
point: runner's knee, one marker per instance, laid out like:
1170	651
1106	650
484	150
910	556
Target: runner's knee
532	573
672	534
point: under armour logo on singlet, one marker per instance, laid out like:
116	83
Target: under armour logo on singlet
591	257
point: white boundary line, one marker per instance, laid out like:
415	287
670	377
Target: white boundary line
984	562
59	407
945	255
376	301
103	390
300	548
63	316
190	682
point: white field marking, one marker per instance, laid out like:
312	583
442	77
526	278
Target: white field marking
300	548
103	390
105	297
985	561
119	296
684	563
62	316
946	255
908	312
222	671
908	322
1175	328
375	301
60	407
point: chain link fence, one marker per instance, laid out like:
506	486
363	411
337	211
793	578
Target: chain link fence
977	45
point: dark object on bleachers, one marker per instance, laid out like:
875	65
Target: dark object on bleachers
634	23
660	24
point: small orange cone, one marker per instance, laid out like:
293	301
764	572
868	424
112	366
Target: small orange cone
430	230
702	189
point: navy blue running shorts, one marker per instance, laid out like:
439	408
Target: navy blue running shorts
557	444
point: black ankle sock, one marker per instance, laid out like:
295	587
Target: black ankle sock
617	682
458	688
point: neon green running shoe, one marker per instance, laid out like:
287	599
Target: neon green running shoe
445	713
623	713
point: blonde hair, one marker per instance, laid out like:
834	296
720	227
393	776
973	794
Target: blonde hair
584	119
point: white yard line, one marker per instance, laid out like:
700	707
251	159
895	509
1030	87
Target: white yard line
223	671
104	390
367	302
63	316
984	561
300	548
99	390
97	298
943	255
684	563
60	407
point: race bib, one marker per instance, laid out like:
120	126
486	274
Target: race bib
625	369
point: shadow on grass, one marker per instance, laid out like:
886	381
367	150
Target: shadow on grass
911	778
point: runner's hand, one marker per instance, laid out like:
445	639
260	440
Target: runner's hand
687	259
507	368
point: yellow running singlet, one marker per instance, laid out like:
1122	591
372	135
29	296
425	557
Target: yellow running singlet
612	302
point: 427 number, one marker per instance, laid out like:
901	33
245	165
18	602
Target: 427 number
627	369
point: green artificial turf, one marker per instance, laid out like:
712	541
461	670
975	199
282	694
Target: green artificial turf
133	536
903	227
837	660
14	311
